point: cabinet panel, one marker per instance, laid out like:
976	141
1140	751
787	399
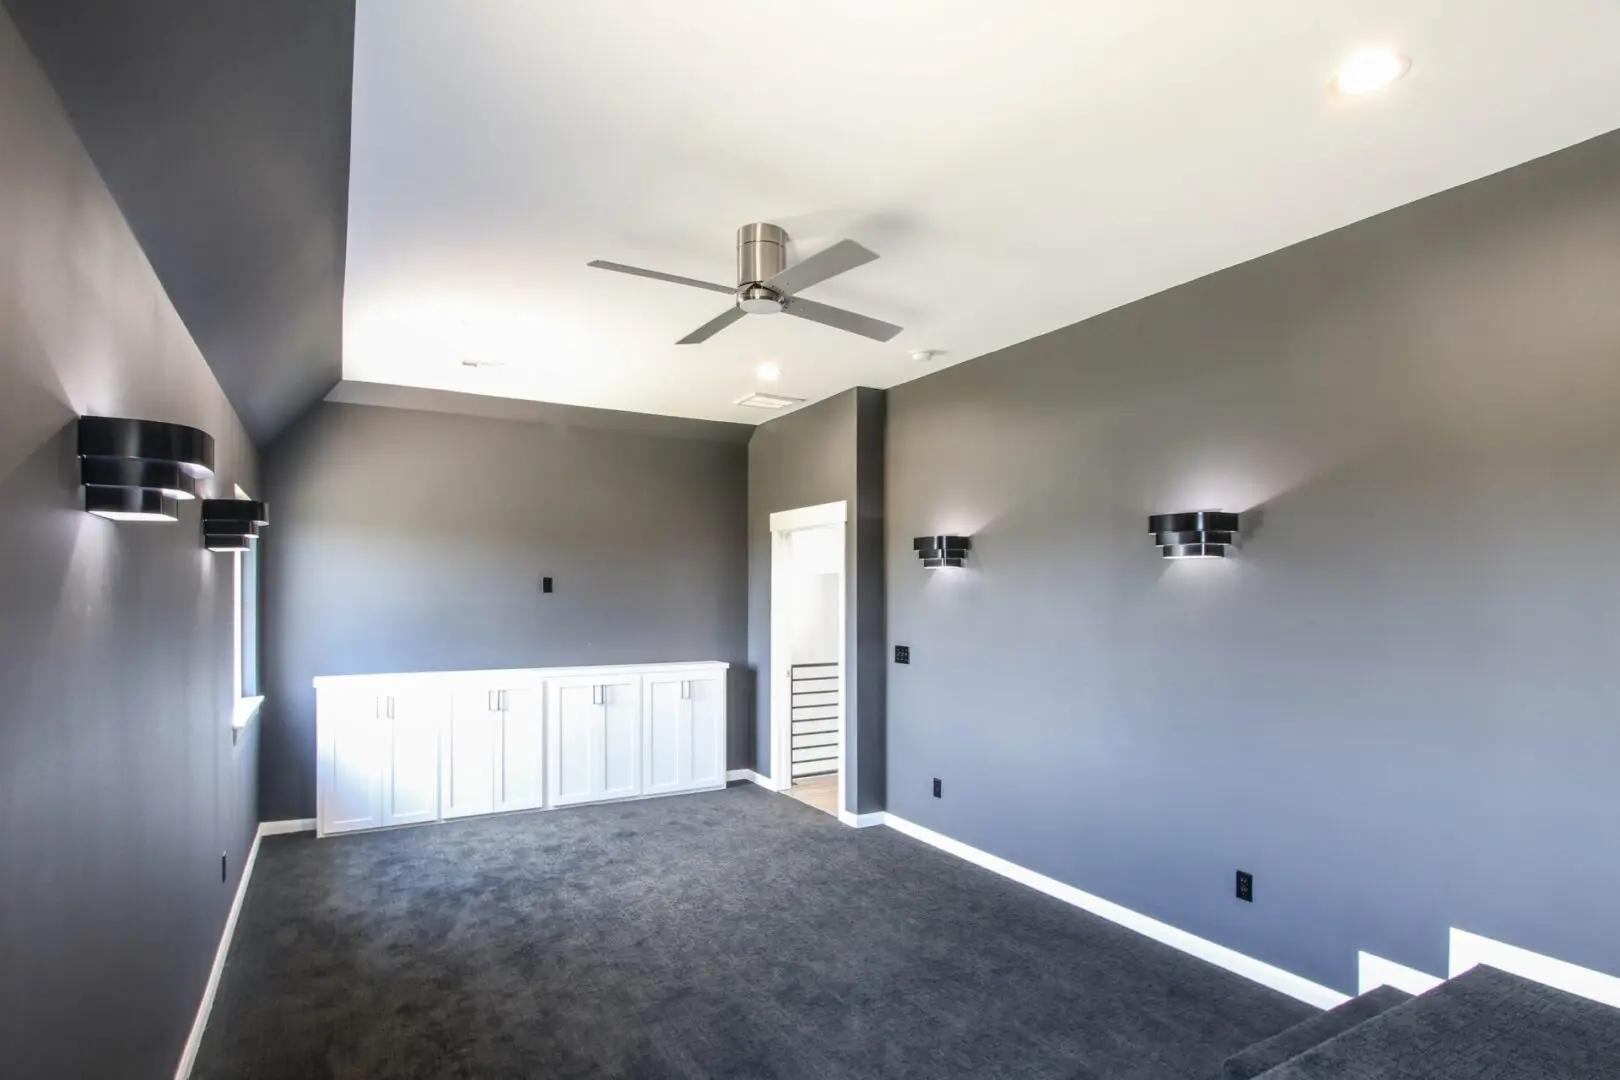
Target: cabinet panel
411	788
621	740
520	778
355	740
467	775
706	702
576	739
666	741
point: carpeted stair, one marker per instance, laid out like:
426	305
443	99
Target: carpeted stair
1310	1033
1482	1025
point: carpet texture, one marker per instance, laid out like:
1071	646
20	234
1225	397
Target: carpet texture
729	934
1308	1033
1483	1025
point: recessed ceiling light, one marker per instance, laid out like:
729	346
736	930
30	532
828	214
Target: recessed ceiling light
766	401
768	372
1369	71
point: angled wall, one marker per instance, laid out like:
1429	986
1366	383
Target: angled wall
1398	707
120	785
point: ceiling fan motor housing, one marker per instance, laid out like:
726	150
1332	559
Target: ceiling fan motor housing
761	255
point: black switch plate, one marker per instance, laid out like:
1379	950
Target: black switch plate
545	584
937	787
902	654
1245	886
224	874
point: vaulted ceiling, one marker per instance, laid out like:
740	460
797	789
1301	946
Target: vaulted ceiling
222	129
1017	166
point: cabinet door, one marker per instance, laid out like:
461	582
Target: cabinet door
467	778
621	736
520	757
706	704
411	772
575	741
666	736
354	742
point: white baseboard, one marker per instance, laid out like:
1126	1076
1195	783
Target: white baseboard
188	1056
1469	950
1375	971
862	821
291	825
1258	970
752	777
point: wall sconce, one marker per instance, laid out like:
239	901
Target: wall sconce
1201	534
232	524
139	470
938	551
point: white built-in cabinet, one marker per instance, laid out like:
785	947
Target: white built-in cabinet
407	749
683	731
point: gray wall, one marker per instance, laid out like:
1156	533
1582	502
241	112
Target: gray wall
827	452
119	782
1400	707
222	129
410	540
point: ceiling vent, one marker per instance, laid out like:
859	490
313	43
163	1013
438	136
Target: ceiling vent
768	401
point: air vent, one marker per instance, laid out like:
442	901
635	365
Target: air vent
768	401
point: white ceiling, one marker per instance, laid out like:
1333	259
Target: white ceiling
1019	166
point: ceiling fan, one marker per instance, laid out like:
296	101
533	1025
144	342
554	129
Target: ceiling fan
766	285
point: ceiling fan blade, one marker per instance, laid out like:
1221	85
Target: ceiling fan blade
713	326
837	317
658	276
842	256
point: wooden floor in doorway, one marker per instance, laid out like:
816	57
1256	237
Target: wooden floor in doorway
820	792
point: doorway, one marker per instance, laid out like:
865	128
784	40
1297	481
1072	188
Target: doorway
807	654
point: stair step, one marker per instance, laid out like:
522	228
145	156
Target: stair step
1483	1025
1313	1032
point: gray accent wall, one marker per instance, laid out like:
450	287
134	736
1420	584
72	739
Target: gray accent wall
222	129
410	540
830	451
120	784
1399	708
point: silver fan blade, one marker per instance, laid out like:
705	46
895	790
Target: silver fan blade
658	276
827	315
842	256
713	326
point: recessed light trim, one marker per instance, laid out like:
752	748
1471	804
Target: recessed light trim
757	400
1369	71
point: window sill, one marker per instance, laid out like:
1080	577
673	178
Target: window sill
246	709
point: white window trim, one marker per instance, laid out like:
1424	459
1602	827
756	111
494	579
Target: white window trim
246	708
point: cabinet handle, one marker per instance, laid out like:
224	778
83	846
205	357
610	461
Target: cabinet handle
390	706
490	704
503	700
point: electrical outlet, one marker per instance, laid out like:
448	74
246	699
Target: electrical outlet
1245	886
902	654
224	873
937	788
545	584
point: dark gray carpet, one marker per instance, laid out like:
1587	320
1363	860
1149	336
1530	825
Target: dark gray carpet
1482	1025
728	934
1308	1033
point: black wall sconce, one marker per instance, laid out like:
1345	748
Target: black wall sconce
232	524
938	551
1201	534
139	470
